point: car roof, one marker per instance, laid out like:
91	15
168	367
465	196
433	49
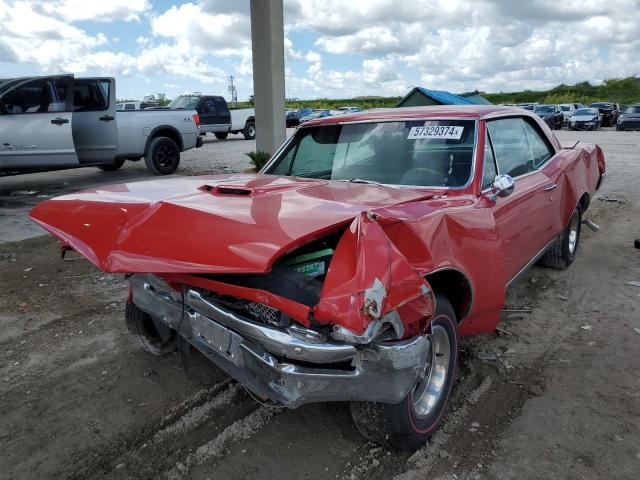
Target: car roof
436	111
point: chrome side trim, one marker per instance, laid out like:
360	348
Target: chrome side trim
526	268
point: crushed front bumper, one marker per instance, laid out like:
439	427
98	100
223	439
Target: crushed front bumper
289	367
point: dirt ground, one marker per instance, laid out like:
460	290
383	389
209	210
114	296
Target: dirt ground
553	394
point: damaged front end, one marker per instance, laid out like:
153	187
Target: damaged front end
344	317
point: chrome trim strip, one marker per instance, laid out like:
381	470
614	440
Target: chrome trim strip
526	268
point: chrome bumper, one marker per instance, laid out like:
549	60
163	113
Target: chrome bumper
291	367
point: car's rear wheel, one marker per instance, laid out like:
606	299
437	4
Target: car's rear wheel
112	167
221	135
564	248
409	424
249	131
145	333
163	156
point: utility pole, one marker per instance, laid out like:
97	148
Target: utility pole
267	41
233	91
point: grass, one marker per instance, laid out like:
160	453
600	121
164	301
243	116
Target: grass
258	159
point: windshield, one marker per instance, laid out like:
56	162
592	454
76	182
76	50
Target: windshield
543	109
184	101
633	109
565	108
601	105
586	111
431	153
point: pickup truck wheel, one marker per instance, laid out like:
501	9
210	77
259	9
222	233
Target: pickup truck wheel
112	167
410	423
163	156
221	135
145	333
564	248
249	131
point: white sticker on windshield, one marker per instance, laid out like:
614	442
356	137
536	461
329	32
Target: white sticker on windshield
436	131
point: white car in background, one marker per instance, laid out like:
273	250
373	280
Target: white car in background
567	110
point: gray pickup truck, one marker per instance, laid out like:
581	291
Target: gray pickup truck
59	122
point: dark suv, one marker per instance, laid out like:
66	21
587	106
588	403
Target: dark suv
609	111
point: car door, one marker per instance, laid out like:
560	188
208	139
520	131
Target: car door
36	124
524	219
95	131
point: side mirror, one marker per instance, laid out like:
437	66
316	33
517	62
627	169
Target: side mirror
503	186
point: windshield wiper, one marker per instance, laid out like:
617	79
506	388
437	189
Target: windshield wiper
369	182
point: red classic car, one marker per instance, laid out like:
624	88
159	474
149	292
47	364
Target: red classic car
349	267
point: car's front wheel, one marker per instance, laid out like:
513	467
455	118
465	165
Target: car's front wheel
409	424
145	333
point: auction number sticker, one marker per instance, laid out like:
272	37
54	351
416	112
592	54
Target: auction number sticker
440	131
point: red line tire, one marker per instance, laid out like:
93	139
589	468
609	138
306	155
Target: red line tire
409	424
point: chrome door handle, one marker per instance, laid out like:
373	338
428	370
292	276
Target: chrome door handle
550	187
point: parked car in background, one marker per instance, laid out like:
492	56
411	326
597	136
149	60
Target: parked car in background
293	118
320	113
133	105
585	119
629	119
215	116
609	111
349	109
567	110
551	114
526	106
57	122
337	274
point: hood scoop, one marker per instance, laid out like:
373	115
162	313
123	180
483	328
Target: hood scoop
227	190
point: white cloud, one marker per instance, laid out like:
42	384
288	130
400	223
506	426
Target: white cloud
190	23
97	10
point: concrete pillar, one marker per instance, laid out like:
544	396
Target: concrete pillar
267	38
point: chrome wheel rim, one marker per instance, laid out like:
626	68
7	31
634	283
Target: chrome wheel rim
573	234
431	386
252	130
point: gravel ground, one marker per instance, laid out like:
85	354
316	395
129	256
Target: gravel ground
555	393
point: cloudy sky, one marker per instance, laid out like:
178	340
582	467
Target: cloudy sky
333	48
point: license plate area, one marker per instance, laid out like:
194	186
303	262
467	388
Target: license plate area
213	335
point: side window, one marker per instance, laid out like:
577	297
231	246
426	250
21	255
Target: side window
540	151
221	106
91	95
210	106
511	146
129	106
37	96
489	171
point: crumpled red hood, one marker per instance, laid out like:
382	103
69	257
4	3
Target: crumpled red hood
207	224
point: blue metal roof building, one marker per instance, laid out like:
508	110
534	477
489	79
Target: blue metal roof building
420	96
